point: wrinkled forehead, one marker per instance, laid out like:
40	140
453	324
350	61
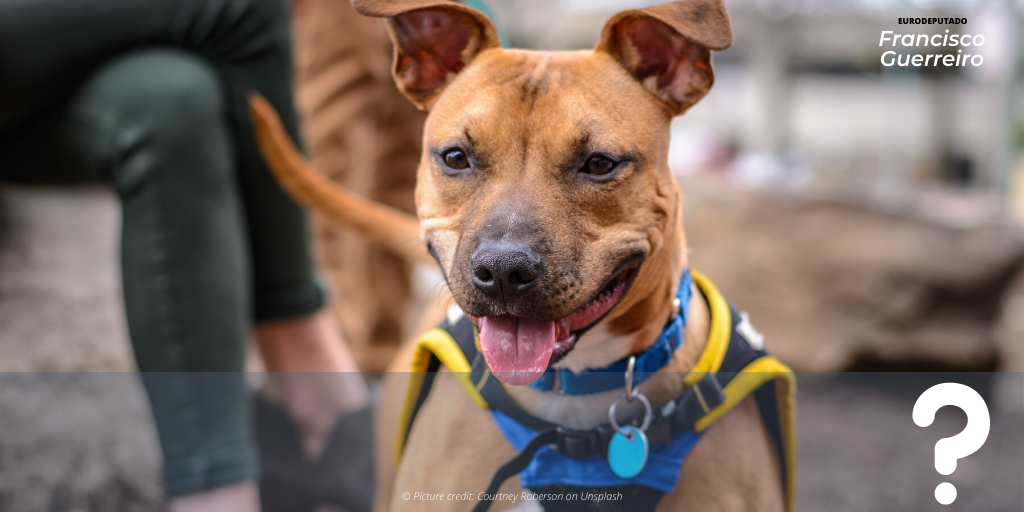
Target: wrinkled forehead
576	95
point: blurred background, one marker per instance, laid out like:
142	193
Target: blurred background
868	218
874	210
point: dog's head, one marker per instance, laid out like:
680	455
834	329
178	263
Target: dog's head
544	190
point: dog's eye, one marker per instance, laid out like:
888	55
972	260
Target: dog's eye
599	165
456	159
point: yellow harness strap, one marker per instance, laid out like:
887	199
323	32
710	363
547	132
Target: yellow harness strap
756	374
711	358
434	343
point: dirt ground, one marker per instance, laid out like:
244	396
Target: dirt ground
84	442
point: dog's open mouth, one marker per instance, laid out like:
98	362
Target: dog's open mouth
519	350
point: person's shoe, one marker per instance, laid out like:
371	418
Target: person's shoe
341	476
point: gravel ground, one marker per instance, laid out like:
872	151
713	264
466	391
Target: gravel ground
84	442
861	451
76	442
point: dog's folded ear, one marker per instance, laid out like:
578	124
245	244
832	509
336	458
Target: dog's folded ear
433	40
667	47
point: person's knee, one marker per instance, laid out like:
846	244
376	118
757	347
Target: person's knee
274	16
158	111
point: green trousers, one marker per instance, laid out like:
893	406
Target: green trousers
150	96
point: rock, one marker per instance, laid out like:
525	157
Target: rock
69	441
1011	328
60	281
841	285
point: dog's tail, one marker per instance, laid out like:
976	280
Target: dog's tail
383	224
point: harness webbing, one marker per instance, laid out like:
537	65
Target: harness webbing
728	370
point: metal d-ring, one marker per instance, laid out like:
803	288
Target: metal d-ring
648	414
630	392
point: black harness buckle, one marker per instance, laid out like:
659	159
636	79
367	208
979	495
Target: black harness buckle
576	444
583	444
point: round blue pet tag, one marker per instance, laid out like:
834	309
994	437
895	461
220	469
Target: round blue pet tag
627	452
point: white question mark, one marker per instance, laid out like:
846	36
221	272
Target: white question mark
949	449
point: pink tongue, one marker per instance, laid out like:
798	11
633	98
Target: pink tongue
516	349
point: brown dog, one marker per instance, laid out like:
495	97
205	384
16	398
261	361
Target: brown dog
545	196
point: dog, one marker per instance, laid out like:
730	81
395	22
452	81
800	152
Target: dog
545	197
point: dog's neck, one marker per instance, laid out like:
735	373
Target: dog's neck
643	317
588	411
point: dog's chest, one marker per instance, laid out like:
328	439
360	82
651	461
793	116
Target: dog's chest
453	448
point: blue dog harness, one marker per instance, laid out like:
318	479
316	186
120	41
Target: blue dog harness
549	467
554	460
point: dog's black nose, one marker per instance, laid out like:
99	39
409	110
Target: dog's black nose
503	270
